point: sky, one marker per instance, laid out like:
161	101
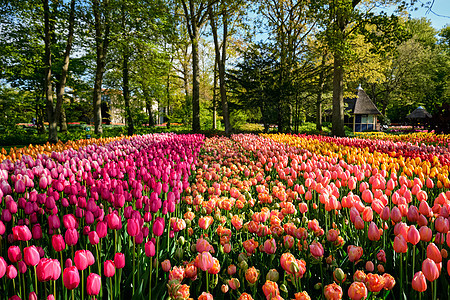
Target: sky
439	13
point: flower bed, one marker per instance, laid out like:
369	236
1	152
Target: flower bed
246	217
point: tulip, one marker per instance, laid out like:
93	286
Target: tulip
430	269
354	253
71	278
22	233
270	289
133	227
389	281
109	268
400	245
3	266
205	261
166	265
71	237
58	243
413	236
234	283
357	291
31	256
14	254
93	284
93	238
434	253
252	275
373	232
270	246
333	292
11	272
48	269
205	296
419	283
374	282
158	226
81	260
150	249
119	260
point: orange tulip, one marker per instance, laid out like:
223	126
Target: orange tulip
333	292
374	282
419	283
357	291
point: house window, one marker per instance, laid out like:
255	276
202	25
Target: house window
364	122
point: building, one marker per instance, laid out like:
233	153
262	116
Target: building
361	113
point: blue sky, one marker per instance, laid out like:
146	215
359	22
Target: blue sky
439	14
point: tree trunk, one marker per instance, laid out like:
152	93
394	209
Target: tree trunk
214	99
62	120
101	42
148	105
52	123
126	94
65	70
196	81
168	94
338	97
319	99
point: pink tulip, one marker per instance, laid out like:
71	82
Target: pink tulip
11	272
22	233
119	260
158	226
14	254
430	270
419	283
71	237
434	253
400	244
413	236
373	233
31	255
109	268
93	284
81	260
150	249
270	246
316	249
71	278
48	269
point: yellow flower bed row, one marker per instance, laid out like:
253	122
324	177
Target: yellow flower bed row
411	167
416	137
33	150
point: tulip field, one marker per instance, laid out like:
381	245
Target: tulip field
270	216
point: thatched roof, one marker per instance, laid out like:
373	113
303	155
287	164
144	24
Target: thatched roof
361	105
419	113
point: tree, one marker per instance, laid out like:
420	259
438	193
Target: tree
195	13
289	23
102	12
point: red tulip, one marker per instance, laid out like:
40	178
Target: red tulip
101	229
419	283
430	269
119	260
166	265
71	278
37	232
109	268
31	256
93	284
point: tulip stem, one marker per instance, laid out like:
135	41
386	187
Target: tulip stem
62	281
434	287
99	267
111	287
35	280
54	289
73	295
157	258
401	273
150	280
413	260
134	260
207	282
82	284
